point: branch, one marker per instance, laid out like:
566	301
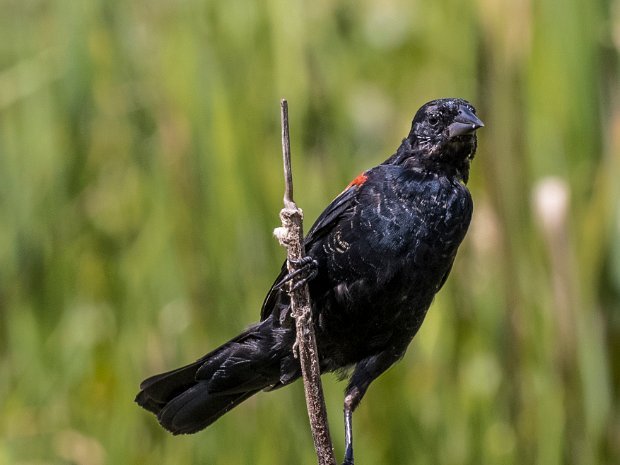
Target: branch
290	235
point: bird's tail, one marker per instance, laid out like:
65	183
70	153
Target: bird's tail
192	397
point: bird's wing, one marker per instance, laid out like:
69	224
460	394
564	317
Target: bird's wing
334	212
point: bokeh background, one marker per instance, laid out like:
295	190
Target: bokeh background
140	181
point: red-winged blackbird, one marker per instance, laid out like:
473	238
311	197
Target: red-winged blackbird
378	254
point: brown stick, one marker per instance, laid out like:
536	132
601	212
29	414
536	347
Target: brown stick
290	236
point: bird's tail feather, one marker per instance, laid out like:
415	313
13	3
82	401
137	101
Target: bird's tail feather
192	397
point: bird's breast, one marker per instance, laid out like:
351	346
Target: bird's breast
384	263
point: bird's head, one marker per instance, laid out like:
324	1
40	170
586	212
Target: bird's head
444	120
443	132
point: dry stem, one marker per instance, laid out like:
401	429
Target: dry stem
290	236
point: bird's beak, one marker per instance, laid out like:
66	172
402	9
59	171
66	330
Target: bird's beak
464	123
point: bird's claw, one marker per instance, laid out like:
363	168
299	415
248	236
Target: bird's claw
303	261
305	265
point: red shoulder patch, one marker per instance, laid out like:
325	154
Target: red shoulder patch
361	179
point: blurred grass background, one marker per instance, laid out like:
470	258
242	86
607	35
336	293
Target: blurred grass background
140	180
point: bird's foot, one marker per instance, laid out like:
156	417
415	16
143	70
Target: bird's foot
348	456
307	267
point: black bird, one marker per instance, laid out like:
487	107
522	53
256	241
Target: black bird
377	256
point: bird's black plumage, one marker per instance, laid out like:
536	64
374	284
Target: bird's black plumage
382	249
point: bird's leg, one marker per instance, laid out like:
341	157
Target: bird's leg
352	399
348	432
365	372
305	265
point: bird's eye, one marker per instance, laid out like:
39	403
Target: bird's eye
433	121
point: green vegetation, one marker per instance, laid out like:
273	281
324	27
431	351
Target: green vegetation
140	180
